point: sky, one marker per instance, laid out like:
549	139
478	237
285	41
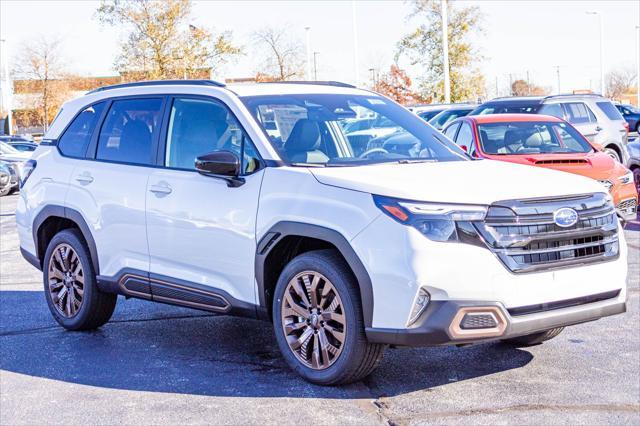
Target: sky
518	36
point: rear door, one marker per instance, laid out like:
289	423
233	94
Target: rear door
109	188
583	119
201	231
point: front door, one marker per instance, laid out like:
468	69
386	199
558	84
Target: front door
201	231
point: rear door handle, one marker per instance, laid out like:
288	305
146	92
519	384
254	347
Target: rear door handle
598	128
160	189
84	178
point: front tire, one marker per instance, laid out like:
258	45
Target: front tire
534	339
317	316
70	286
613	154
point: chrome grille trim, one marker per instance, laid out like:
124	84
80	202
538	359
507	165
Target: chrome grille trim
523	235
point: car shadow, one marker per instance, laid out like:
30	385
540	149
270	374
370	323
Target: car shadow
160	348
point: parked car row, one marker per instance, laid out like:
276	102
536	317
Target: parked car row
12	160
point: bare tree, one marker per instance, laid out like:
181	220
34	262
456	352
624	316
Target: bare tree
41	63
620	81
160	44
284	58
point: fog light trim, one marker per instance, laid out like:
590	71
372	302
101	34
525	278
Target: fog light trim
458	332
420	303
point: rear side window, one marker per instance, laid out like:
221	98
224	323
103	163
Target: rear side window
610	111
128	130
76	138
554	110
579	113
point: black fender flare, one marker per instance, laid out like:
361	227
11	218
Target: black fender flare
74	216
284	229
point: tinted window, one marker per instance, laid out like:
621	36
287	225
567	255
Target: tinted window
610	111
465	135
579	113
451	130
197	127
127	133
506	108
76	138
554	110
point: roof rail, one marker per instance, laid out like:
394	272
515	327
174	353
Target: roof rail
318	83
519	97
564	95
159	83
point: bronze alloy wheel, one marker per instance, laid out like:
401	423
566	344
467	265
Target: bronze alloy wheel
66	280
313	320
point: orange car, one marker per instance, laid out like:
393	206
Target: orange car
544	141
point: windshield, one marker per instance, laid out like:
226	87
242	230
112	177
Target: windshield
5	148
522	138
506	108
441	119
339	130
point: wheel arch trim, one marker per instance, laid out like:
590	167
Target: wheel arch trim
76	217
283	229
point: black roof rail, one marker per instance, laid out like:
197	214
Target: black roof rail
318	83
564	95
159	83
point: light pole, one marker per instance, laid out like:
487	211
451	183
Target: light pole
315	65
638	66
602	90
308	37
373	77
445	52
557	67
6	84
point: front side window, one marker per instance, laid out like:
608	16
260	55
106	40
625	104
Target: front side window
521	138
198	126
610	111
465	136
75	140
310	130
127	133
579	113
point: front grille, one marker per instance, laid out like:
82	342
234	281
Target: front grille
525	237
631	205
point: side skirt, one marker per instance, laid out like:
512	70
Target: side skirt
162	289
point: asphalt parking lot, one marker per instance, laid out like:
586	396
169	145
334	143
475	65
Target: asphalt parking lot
157	364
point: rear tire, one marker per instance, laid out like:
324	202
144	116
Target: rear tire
325	274
534	339
70	286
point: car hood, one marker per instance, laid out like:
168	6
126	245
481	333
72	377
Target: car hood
16	158
597	165
472	182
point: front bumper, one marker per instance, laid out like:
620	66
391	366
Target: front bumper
440	323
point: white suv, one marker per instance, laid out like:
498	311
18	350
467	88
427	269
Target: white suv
175	192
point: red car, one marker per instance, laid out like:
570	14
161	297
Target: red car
544	141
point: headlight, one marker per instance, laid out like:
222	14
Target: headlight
626	178
438	222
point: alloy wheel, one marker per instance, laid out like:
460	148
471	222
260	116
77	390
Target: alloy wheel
66	280
313	320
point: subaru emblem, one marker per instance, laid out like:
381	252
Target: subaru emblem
565	217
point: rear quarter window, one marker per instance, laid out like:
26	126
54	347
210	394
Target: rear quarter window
75	140
609	110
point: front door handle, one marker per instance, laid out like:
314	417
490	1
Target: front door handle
84	178
598	128
160	189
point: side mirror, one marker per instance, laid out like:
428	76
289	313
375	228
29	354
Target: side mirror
597	146
221	164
